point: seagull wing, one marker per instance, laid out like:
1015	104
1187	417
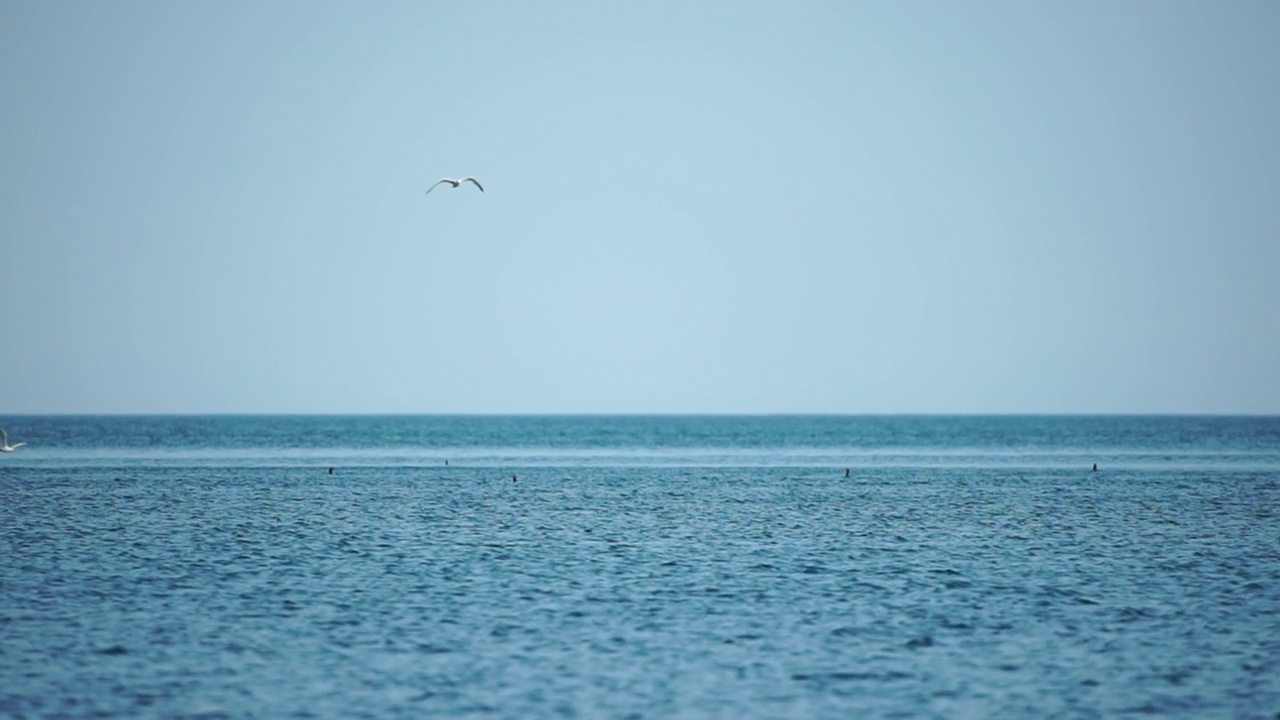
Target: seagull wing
4	437
473	181
433	187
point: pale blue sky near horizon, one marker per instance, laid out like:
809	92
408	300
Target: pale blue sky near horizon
710	207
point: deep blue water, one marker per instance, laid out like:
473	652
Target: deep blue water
640	567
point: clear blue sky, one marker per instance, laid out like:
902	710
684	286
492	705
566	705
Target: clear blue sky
690	207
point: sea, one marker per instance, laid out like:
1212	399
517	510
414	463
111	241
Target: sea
640	567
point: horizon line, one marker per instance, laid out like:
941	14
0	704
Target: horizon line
651	414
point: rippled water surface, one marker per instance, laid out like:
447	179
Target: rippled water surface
640	567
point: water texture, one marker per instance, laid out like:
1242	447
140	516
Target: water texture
640	567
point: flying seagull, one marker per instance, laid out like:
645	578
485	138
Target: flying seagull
4	442
456	183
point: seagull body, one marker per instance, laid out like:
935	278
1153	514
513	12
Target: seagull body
4	442
455	183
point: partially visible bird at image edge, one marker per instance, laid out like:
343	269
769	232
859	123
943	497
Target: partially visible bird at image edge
4	442
455	183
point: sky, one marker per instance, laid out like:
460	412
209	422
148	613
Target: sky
707	207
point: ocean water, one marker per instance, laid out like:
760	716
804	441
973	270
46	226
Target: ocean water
640	567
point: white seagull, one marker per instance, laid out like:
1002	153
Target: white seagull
455	183
4	442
